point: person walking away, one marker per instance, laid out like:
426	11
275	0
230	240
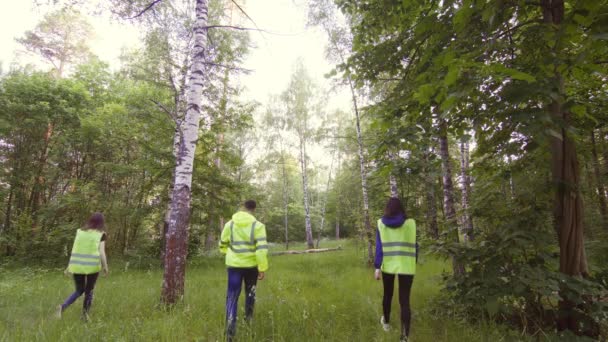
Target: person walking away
243	241
396	251
88	257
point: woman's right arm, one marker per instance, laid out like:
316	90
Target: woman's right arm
379	256
104	260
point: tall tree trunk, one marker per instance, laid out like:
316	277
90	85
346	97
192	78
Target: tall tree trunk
568	207
511	181
38	188
431	201
448	193
177	233
285	199
568	210
392	179
466	191
368	227
601	191
322	224
167	217
338	201
7	218
309	238
369	233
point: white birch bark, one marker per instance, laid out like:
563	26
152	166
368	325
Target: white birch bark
466	190
333	38
392	180
322	224
431	206
309	238
177	232
285	198
368	227
448	192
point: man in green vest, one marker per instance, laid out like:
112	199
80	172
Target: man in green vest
243	241
396	256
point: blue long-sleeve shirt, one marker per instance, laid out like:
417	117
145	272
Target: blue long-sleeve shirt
379	254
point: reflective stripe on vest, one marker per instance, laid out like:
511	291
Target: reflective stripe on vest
249	246
398	248
85	258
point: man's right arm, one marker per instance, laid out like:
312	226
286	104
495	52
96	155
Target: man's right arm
225	239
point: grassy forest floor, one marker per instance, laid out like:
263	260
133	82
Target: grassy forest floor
313	297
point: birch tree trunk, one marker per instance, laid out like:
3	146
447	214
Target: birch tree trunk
322	225
448	193
601	191
431	201
466	191
177	232
392	180
368	228
338	201
369	234
285	199
309	238
165	226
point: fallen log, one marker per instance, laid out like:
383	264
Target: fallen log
317	250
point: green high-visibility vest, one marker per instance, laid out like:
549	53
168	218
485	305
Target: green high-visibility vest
398	248
243	240
85	258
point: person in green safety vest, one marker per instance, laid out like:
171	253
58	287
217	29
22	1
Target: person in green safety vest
88	257
243	241
396	252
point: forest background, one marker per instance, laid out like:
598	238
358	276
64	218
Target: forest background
487	118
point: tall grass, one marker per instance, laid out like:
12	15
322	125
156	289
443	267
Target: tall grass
314	297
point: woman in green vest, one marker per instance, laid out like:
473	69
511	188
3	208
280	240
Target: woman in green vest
87	259
396	256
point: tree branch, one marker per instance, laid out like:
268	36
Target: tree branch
164	109
245	13
512	29
228	67
251	29
152	4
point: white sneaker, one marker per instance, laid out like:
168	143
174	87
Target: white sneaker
385	325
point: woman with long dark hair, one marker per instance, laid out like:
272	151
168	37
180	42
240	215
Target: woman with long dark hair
396	257
87	259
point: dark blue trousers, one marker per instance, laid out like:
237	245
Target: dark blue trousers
236	277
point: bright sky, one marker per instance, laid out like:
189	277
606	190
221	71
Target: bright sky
272	61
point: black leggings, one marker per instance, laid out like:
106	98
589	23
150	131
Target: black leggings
85	283
405	286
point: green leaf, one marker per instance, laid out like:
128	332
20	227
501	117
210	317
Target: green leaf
579	110
514	74
452	76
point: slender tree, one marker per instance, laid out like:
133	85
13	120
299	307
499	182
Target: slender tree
323	13
448	192
599	184
301	106
177	232
466	191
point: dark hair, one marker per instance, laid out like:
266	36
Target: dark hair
250	205
394	208
96	221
